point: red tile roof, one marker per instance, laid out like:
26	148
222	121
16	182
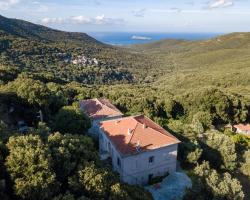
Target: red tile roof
99	108
243	127
127	133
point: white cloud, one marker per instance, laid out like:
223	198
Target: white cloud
101	19
30	5
5	4
48	20
171	10
98	20
80	20
220	4
139	13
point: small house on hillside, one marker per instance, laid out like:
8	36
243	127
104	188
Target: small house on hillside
99	110
242	129
138	147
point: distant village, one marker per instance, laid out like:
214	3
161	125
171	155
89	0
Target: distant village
78	60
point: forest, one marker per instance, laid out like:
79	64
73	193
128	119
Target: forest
191	93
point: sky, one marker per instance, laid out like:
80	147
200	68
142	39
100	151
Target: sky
210	16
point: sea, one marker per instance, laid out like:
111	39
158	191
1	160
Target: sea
130	38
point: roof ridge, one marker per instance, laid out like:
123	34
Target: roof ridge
112	109
121	118
110	106
98	101
103	104
133	132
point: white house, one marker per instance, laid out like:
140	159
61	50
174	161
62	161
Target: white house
99	110
242	129
139	148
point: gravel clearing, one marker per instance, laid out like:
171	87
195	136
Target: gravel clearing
172	187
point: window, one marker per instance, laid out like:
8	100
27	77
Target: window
151	159
109	147
150	176
118	162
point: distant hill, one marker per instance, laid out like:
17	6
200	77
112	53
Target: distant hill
67	56
228	41
27	30
221	62
172	65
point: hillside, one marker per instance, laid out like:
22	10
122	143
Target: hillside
221	62
24	29
190	88
67	56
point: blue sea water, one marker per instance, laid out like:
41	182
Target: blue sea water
123	38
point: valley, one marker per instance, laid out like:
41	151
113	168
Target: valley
193	89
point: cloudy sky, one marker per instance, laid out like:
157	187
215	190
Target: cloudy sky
133	15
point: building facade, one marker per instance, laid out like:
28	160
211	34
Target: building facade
138	148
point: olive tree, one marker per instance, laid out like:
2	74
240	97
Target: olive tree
71	119
29	167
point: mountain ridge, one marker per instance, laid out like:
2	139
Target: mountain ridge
28	30
40	52
70	56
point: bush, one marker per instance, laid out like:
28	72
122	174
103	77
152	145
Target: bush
211	185
29	167
70	119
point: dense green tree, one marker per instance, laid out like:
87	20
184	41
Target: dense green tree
118	192
242	142
201	122
3	131
173	108
96	181
239	110
69	196
245	167
102	183
58	98
69	153
3	153
197	127
29	167
43	130
137	192
66	196
190	152
218	186
33	91
8	73
219	149
71	119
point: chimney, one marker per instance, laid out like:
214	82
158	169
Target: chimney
144	126
138	146
129	131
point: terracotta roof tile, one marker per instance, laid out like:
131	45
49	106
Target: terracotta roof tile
127	133
243	127
99	108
